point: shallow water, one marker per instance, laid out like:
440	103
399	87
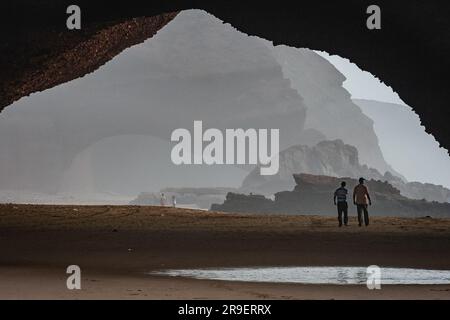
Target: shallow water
314	275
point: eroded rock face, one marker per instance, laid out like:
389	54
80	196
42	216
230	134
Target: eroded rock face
335	159
330	109
330	158
313	194
50	57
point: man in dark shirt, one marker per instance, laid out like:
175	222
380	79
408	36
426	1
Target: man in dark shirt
340	199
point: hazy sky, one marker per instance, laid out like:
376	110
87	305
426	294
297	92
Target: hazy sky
362	84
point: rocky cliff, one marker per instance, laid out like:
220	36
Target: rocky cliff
336	159
329	108
330	158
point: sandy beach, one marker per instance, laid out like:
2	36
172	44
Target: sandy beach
116	246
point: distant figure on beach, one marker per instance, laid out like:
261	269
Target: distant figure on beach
340	199
174	201
360	198
163	200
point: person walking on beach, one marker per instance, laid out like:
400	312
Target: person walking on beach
361	198
174	201
340	199
163	200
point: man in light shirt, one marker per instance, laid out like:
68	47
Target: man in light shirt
361	198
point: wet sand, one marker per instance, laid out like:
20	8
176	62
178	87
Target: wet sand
116	245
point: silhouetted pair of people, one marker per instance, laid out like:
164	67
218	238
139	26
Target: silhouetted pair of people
361	199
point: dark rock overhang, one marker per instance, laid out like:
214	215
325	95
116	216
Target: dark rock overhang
410	53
